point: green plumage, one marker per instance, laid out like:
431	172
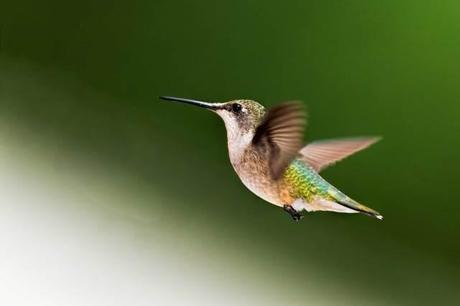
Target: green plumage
307	184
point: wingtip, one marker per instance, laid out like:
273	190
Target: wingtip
369	140
380	217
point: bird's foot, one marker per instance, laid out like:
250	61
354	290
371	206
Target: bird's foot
295	215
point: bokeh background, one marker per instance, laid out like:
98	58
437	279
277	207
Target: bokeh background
111	197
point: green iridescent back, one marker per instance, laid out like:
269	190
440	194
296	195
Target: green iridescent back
306	183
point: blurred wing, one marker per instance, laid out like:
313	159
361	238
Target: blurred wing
321	154
282	129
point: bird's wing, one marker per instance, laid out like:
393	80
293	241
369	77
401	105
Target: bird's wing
282	129
321	154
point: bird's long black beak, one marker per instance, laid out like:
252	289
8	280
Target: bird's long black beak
211	106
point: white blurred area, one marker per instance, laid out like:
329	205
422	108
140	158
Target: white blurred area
71	236
65	242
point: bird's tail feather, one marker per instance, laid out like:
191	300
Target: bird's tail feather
360	208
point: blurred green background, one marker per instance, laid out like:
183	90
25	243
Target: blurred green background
79	82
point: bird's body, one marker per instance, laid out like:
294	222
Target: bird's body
265	149
300	184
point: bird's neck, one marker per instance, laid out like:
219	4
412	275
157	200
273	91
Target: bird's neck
237	144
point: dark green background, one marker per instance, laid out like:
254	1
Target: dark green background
86	76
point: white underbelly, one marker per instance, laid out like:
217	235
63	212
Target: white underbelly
253	172
262	187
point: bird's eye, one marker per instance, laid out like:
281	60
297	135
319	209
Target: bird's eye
236	108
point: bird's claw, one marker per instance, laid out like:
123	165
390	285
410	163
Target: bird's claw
295	215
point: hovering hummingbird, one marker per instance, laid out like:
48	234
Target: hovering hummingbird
267	152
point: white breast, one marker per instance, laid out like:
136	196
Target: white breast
255	176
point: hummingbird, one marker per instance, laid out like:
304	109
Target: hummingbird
267	152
